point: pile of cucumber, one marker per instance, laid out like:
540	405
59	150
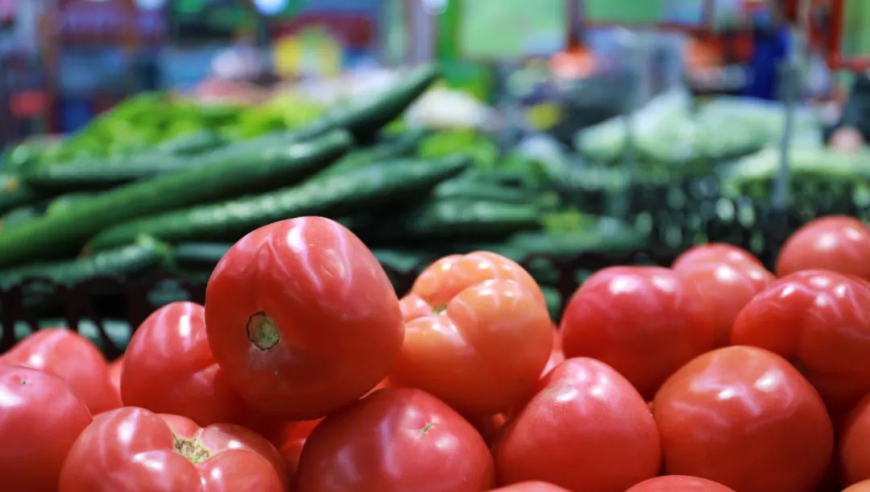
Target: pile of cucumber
180	204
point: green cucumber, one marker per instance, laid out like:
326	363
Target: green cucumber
210	180
200	255
464	188
402	145
191	143
366	116
18	216
455	218
14	193
345	193
143	254
99	173
608	235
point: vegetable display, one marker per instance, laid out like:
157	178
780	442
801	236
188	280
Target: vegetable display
305	371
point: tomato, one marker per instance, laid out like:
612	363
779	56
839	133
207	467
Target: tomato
817	320
746	418
531	487
679	483
486	338
397	439
40	418
837	243
855	460
132	449
169	368
716	252
291	442
586	429
645	322
859	487
71	357
302	318
115	369
727	288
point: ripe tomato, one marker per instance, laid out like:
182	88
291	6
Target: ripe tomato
291	442
679	483
132	449
727	288
397	439
645	322
40	418
859	487
744	417
716	252
486	337
836	243
855	460
531	487
71	357
170	369
818	320
586	429
302	318
115	369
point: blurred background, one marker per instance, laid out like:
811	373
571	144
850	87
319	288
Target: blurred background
599	125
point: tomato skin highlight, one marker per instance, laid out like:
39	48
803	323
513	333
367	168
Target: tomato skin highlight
817	320
71	357
170	369
727	288
40	418
835	243
747	419
302	318
645	322
133	449
581	400
395	440
715	252
679	483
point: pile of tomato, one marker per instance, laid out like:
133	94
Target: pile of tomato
305	372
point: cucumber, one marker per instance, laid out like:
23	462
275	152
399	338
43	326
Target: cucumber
401	146
191	143
209	180
14	193
365	116
18	216
464	188
143	254
609	235
454	218
345	193
200	255
101	174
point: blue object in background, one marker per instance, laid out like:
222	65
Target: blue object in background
75	113
771	47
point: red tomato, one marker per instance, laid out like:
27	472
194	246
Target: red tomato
837	243
290	444
679	483
302	318
818	320
132	449
170	369
859	487
645	322
744	417
115	369
716	252
397	439
71	357
531	487
727	288
586	429
486	338
855	460
40	418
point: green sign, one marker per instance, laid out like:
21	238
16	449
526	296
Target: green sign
510	29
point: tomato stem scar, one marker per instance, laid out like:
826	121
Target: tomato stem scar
262	331
426	428
439	309
191	450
